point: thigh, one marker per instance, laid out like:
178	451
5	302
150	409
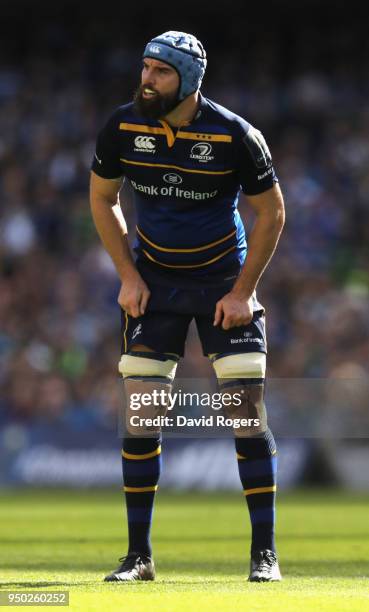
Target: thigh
249	338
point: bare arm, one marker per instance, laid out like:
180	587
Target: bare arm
109	222
263	239
235	308
112	229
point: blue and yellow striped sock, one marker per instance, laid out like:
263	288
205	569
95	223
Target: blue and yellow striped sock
257	466
141	462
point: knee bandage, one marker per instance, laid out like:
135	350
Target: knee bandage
148	380
241	382
148	364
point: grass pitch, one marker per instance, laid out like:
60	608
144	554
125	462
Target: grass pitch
69	540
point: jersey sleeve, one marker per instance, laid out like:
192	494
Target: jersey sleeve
106	162
254	161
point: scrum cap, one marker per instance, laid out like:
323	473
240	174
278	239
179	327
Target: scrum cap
185	53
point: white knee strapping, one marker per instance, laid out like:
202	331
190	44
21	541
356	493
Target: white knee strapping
251	411
144	376
241	365
135	365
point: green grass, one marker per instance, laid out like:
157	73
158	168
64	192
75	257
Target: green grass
70	540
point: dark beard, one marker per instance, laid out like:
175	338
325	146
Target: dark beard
156	108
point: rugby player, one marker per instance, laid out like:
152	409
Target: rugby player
187	159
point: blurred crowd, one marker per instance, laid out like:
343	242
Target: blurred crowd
59	318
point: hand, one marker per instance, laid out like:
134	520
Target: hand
134	295
233	311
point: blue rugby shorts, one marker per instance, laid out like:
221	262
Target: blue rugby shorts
169	312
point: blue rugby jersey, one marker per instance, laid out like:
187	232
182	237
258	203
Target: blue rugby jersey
186	184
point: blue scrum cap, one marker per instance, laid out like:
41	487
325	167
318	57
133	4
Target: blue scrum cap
185	53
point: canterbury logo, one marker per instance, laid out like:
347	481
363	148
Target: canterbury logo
137	330
154	49
145	143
